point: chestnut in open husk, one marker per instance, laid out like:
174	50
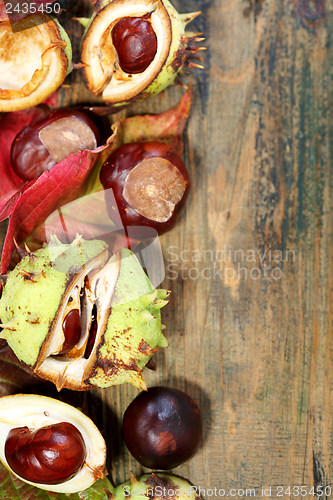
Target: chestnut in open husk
41	145
134	50
162	428
50	444
102	325
149	182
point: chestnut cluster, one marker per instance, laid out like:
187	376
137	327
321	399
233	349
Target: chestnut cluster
147	184
148	181
162	429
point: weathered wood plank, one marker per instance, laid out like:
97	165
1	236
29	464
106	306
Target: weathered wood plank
253	347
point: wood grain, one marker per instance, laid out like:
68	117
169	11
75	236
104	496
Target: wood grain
253	348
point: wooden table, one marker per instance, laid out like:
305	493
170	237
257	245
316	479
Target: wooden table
250	262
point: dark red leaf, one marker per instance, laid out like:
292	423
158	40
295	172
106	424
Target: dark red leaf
167	127
40	197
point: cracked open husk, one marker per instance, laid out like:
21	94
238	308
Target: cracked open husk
119	312
103	74
36	412
35	58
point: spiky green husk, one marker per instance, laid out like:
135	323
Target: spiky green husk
133	331
34	290
154	487
42	289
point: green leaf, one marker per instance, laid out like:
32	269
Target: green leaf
12	488
97	491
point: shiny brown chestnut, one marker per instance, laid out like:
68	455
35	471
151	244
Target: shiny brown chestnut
162	428
135	42
149	183
40	146
49	455
71	327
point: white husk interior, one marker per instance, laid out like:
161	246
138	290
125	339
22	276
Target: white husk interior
33	63
58	338
102	286
26	57
39	411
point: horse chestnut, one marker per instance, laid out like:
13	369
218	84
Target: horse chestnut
49	455
162	428
149	182
40	146
71	327
135	42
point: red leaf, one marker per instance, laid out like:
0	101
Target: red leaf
42	196
167	127
87	216
52	101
